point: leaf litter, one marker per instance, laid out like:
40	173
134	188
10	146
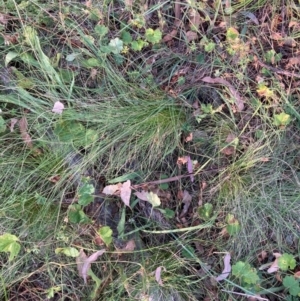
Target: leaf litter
84	262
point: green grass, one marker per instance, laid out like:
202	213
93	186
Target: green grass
127	113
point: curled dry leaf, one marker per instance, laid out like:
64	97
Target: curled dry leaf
125	192
297	275
13	122
274	267
170	36
189	137
88	3
158	274
262	256
111	189
191	35
23	124
227	268
182	160
238	99
58	107
84	262
142	195
186	200
27	139
195	19
130	245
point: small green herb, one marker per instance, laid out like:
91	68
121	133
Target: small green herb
286	261
68	251
106	234
9	243
292	285
153	36
245	273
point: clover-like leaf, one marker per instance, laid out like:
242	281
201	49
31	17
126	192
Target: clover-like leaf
282	119
153	36
245	272
286	261
116	45
126	37
101	30
138	45
292	285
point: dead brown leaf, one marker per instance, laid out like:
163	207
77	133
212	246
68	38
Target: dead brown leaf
195	19
182	160
3	19
227	268
274	267
276	36
93	73
289	42
293	23
84	263
142	195
262	256
111	189
230	138
88	3
189	137
293	62
13	122
54	178
128	3
228	151
191	35
27	139
170	36
265	159
297	274
158	274
186	200
23	124
125	192
238	99
130	245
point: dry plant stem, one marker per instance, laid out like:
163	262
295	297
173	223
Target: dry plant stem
277	70
246	295
162	181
